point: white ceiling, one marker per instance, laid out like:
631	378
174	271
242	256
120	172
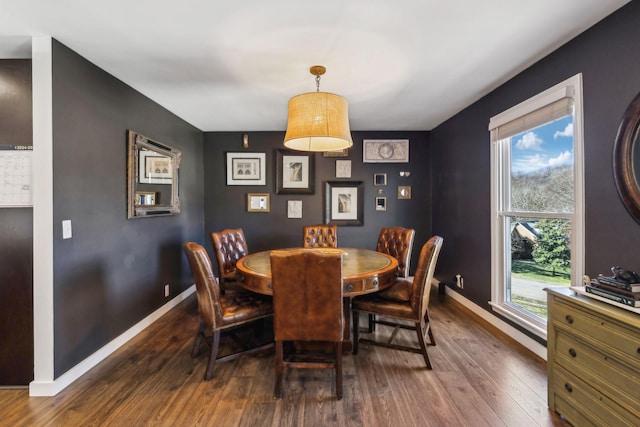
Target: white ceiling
233	65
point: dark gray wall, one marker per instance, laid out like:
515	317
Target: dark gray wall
16	235
607	56
225	206
111	274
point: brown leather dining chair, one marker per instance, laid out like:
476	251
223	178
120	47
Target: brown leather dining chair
405	300
307	303
221	312
397	242
230	245
320	236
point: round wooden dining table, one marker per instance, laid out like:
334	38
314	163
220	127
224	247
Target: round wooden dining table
364	271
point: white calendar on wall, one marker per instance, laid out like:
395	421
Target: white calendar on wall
15	177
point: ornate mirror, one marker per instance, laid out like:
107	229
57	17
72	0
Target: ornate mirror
152	172
626	159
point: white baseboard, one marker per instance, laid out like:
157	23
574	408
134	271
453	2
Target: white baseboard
529	343
51	388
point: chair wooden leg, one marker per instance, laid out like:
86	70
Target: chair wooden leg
215	343
195	351
372	322
423	345
279	370
356	331
339	370
429	329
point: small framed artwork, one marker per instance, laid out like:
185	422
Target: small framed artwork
294	172
145	198
337	153
343	202
381	203
379	179
154	168
258	202
343	168
404	192
385	151
294	208
246	169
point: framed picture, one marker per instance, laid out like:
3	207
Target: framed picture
145	198
404	192
381	203
379	179
258	202
385	151
294	209
343	168
343	203
338	153
154	168
295	172
246	169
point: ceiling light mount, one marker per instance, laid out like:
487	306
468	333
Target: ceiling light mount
317	70
318	121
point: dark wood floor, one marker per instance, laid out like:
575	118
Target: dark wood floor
480	378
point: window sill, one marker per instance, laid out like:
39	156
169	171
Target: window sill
531	323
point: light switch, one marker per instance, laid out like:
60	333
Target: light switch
66	229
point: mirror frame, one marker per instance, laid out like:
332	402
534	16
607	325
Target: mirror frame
623	168
135	142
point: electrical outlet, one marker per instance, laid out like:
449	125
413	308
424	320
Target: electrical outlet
166	290
459	281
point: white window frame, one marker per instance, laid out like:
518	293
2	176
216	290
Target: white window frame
571	88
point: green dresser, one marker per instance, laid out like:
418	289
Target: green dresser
593	360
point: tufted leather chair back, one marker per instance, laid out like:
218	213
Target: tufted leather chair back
230	245
397	242
320	236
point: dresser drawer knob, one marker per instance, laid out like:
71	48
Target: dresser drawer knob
572	352
568	387
349	287
568	318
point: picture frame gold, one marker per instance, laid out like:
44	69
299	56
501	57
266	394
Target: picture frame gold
258	202
145	198
404	192
379	179
337	153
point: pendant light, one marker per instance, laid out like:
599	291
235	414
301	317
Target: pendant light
318	121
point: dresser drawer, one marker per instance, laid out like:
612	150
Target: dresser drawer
573	396
603	371
606	330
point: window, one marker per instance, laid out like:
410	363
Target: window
537	202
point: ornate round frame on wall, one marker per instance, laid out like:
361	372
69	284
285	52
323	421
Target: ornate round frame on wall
626	158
